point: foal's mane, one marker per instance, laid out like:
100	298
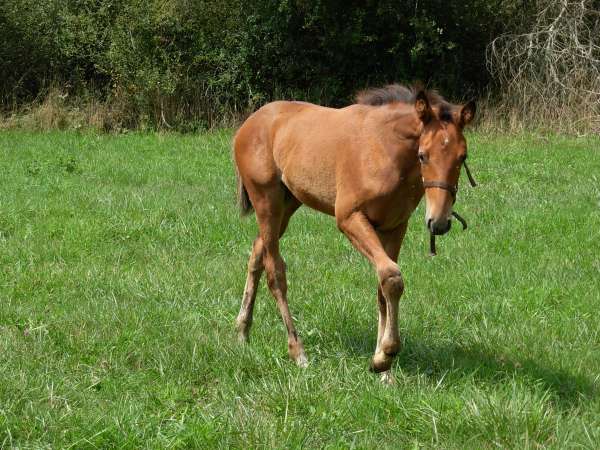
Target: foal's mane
405	94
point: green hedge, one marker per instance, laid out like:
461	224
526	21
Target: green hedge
193	62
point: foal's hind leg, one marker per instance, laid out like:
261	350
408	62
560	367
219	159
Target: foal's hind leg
255	270
271	205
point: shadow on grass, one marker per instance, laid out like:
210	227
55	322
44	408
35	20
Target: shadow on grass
483	365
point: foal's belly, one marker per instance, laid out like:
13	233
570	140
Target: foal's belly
317	192
308	170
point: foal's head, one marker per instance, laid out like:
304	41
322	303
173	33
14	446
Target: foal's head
442	151
442	146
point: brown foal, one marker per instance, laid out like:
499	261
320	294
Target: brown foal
368	165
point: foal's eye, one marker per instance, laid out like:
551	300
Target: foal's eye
422	157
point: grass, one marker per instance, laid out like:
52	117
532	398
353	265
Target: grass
123	262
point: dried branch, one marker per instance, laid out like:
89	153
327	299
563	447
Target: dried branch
552	74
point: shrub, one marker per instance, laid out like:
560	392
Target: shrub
189	64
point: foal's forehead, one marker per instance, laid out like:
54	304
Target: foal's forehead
447	137
449	128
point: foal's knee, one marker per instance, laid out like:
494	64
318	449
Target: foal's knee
391	281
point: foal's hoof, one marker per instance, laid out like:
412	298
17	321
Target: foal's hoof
387	378
302	361
243	330
243	338
381	362
296	352
243	334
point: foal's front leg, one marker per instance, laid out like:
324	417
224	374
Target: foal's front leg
359	230
391	241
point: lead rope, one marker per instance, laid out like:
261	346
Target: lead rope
471	179
462	221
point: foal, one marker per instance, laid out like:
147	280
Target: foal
368	165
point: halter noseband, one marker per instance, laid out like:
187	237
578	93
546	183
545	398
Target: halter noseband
453	189
442	185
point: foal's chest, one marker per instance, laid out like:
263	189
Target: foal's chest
396	204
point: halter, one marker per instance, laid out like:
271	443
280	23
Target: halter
453	189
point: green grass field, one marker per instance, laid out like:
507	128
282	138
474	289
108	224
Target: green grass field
123	263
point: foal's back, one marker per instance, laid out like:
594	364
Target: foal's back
307	147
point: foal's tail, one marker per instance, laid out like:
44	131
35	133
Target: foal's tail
242	197
243	200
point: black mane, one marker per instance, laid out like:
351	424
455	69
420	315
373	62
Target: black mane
403	94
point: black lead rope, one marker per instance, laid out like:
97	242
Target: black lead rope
462	221
471	179
432	251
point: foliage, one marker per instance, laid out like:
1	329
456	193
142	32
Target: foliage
193	63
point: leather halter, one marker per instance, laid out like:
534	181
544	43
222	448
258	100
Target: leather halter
442	185
453	189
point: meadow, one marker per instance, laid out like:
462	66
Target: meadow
122	264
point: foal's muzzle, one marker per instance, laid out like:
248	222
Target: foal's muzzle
439	227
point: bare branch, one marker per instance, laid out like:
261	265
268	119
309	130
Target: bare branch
555	66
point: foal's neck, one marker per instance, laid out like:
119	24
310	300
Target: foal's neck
404	119
401	127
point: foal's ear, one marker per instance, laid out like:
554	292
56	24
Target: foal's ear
467	113
422	107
